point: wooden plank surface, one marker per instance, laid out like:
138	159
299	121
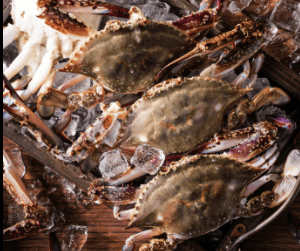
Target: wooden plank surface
105	232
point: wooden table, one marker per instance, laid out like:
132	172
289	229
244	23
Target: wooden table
106	233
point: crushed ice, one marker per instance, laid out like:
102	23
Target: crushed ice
75	238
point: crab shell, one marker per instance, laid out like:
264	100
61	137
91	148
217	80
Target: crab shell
179	114
125	57
195	195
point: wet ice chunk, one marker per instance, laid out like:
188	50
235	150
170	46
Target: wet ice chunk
111	138
71	129
238	5
112	163
148	158
157	11
16	158
286	15
75	238
55	216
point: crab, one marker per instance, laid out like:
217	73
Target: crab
198	194
45	34
35	216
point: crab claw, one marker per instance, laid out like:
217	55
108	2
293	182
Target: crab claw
281	122
209	46
60	21
56	14
93	7
285	185
282	189
202	20
35	217
110	194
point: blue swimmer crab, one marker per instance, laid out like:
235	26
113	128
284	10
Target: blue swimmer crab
198	194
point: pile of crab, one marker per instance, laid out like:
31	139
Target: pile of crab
154	119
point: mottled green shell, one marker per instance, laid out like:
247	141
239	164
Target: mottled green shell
196	195
180	114
126	57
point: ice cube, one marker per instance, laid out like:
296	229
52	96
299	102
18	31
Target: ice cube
55	216
286	15
16	158
71	131
75	238
260	84
156	10
238	5
71	191
112	163
111	138
148	158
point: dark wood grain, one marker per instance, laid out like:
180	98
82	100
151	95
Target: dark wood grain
107	233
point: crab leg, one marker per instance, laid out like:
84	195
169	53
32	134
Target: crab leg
205	4
18	84
44	69
259	161
256	65
88	98
23	58
25	115
13	182
274	96
203	20
243	76
284	187
44	111
251	140
281	190
155	244
10	33
125	215
35	217
129	244
112	194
